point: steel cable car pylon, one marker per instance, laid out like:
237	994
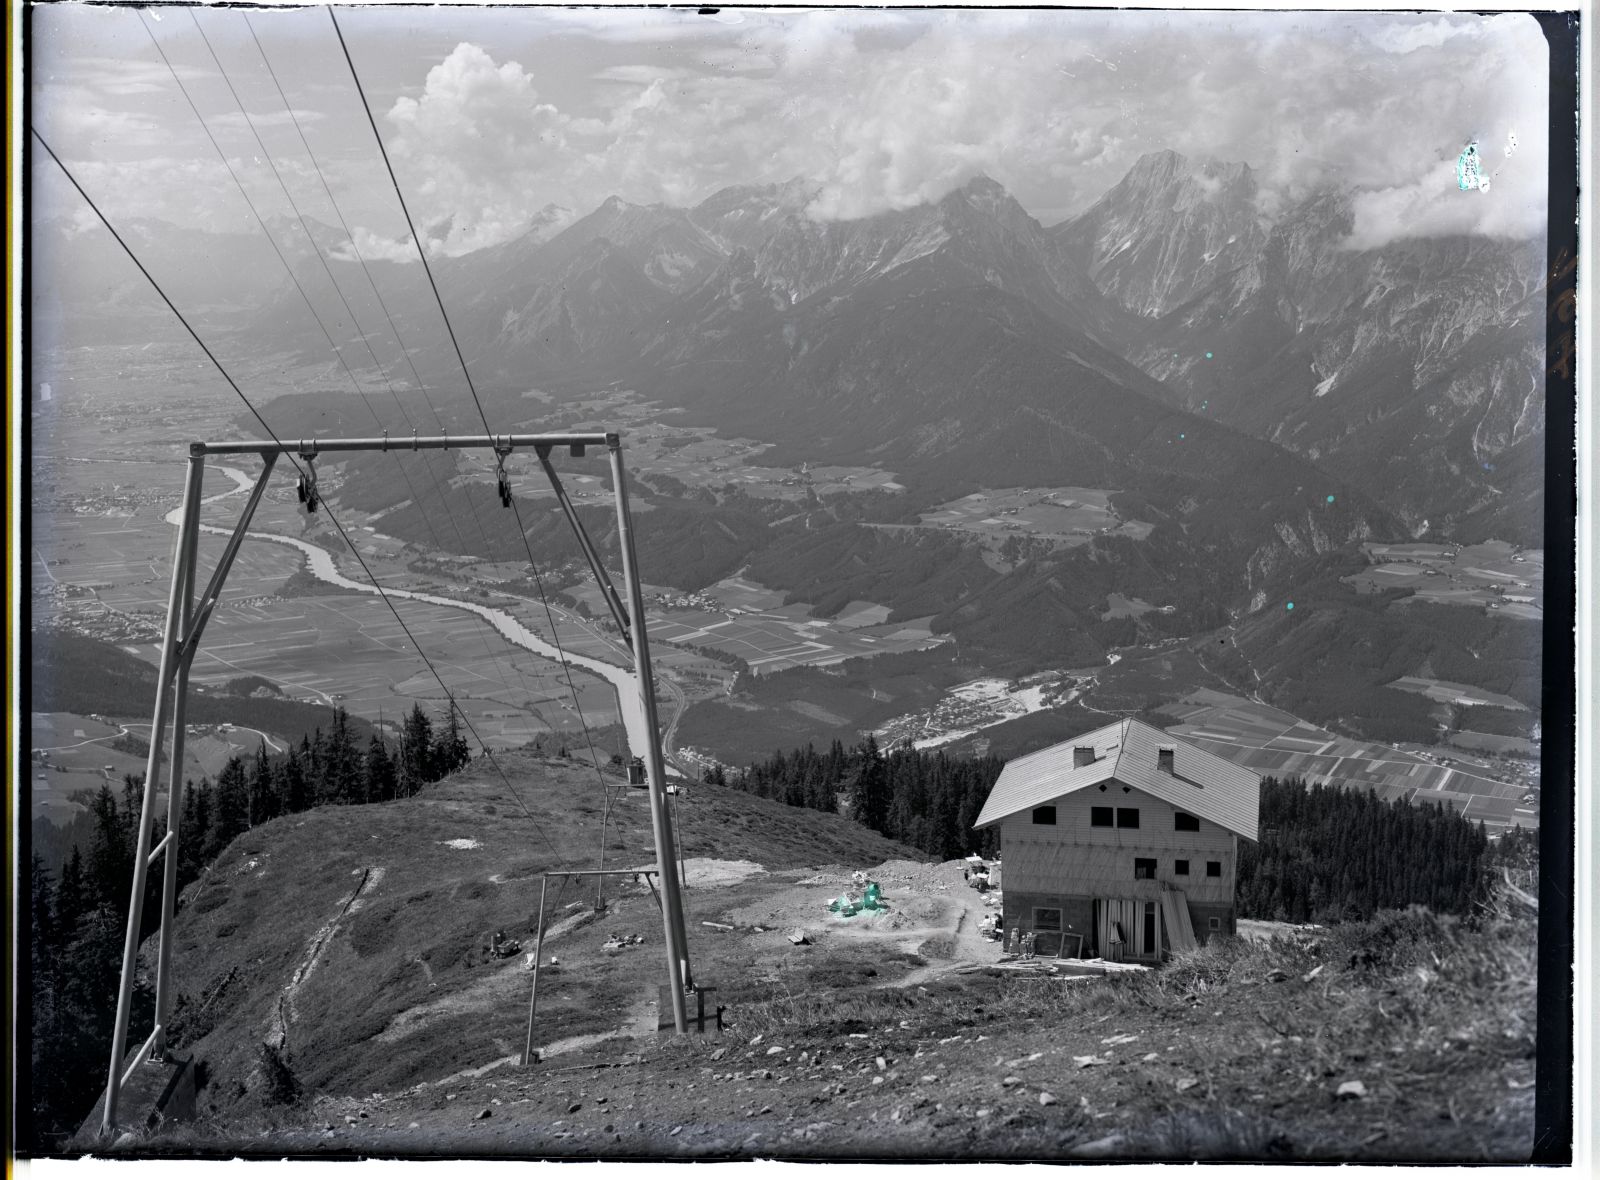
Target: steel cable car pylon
186	621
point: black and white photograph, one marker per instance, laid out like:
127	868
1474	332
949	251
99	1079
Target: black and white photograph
843	584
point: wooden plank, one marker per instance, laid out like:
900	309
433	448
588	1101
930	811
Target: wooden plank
1180	932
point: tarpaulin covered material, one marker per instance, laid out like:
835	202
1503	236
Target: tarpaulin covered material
847	906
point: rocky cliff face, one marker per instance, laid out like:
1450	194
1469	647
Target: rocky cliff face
1416	367
1169	230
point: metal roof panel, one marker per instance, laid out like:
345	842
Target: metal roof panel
1201	783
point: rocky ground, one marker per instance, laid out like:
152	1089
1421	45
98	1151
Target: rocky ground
1408	1038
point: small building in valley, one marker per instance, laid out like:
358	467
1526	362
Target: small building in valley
1121	843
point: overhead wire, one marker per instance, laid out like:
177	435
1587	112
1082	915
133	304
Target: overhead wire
337	352
472	389
350	236
271	241
332	517
354	319
415	237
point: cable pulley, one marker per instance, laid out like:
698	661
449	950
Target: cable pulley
502	481
306	486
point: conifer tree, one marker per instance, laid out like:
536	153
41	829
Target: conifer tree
342	771
381	782
71	898
416	751
292	786
263	803
44	935
314	766
869	787
110	851
450	751
192	833
231	815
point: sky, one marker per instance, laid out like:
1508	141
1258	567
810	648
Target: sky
492	115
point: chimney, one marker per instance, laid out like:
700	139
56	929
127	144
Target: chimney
1082	755
1164	760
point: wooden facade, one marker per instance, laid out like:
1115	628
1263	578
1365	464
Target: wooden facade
1082	870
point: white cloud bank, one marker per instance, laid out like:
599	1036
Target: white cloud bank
887	110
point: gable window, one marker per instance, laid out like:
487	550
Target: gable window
1213	868
1180	868
1182	821
1144	868
1100	817
1046	919
1045	815
1127	817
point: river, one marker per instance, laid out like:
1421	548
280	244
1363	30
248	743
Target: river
322	566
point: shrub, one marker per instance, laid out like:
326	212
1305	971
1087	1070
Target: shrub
279	1086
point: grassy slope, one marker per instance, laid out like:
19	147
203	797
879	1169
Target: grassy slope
1234	1052
1237	1051
416	932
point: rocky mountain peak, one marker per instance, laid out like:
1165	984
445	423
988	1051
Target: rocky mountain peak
1170	229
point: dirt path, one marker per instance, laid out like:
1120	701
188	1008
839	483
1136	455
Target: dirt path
283	1012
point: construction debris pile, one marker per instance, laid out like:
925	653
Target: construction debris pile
617	941
502	947
847	904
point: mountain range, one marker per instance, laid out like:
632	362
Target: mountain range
1256	391
1413	370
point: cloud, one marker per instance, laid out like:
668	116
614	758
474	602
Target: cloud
75	115
1407	37
279	118
1434	205
1489	95
474	143
371	247
886	109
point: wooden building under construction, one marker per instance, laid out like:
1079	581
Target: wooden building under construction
1121	843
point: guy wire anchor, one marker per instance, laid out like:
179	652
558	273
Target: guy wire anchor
306	486
502	482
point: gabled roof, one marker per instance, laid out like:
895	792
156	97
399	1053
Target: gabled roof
1200	782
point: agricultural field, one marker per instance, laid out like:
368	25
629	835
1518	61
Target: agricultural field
1069	516
1119	607
1491	576
590	485
1494	743
71	754
693	455
347	649
769	636
1450	692
102	567
1275	743
743	618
